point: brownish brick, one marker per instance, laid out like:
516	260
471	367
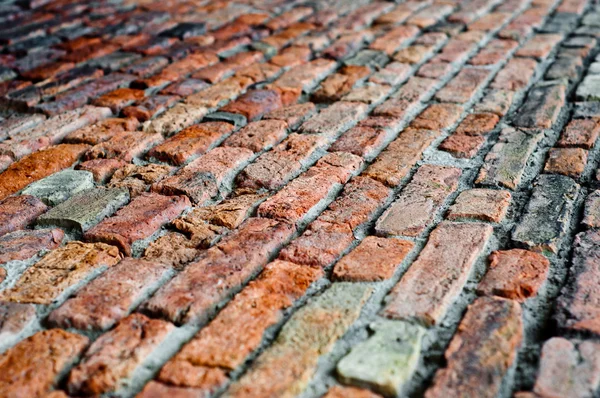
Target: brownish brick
220	271
43	282
17	212
254	104
435	70
394	163
190	142
374	259
219	93
38	165
349	392
102	131
566	161
258	136
115	355
437	116
305	77
138	220
419	201
121	287
335	119
150	107
581	133
495	101
515	75
125	146
394	39
275	168
335	86
514	274
21	245
296	199
462	146
120	98
361	141
483	349
137	179
478	124
539	46
293	115
102	169
481	204
14	318
495	51
434	281
33	366
463	86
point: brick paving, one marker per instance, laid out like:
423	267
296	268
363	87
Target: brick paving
274	198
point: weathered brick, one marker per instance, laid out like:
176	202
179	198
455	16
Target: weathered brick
481	204
303	338
482	351
116	354
258	136
305	77
21	245
387	360
566	161
463	86
506	162
394	39
495	51
102	131
348	392
37	166
335	119
220	271
539	46
419	201
581	133
124	228
33	366
437	116
434	281
151	107
121	288
546	219
514	274
190	142
374	259
259	306
435	70
394	163
137	179
125	146
462	146
17	212
60	186
185	87
57	271
542	107
293	115
568	368
294	202
120	98
392	74
273	169
255	103
495	101
206	177
14	318
578	304
591	213
588	88
477	124
361	141
219	93
515	75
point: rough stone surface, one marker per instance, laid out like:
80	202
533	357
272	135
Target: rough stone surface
481	204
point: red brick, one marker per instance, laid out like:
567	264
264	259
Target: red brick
495	51
361	141
291	56
47	279
125	146
481	204
254	104
477	124
90	52
514	274
226	68
150	107
456	49
185	87
392	74
434	281
305	77
14	318
120	98
394	39
275	168
32	367
178	70
429	16
495	101
394	163
257	307
463	86
191	142
102	169
568	369
296	199
220	271
539	46
581	133
138	220
374	259
115	355
259	73
349	392
219	93
578	305
21	245
490	21
207	176
438	116
462	146
419	201
335	86
18	212
515	75
121	287
38	165
102	131
369	93
258	136
481	352
566	161
435	70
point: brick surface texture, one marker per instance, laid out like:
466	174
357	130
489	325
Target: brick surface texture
294	198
